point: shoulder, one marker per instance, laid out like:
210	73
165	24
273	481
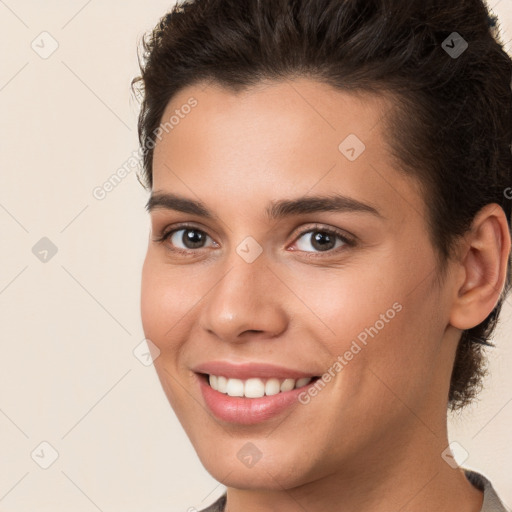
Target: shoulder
491	503
218	506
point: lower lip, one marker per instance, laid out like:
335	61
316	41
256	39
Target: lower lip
248	411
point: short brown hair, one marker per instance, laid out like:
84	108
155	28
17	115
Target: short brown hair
451	127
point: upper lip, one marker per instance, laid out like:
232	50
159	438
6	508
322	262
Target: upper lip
248	370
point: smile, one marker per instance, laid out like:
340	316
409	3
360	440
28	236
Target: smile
255	387
249	404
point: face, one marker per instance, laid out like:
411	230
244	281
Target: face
257	287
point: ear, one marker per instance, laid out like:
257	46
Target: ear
483	267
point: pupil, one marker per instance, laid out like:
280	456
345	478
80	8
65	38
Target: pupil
317	240
193	237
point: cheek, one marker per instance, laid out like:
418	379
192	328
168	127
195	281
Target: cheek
160	302
397	345
163	315
348	302
380	319
150	303
169	296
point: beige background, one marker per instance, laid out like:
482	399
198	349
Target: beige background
68	374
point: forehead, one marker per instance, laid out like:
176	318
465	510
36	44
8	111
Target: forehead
280	139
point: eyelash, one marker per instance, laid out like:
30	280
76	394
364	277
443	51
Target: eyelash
349	242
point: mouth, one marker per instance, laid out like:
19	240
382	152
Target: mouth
245	402
251	392
254	387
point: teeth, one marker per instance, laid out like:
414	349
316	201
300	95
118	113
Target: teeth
254	387
235	387
302	382
222	384
272	387
287	384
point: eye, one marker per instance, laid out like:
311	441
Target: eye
189	237
323	240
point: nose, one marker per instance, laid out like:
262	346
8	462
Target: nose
247	301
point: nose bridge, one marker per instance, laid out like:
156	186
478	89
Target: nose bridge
242	299
247	266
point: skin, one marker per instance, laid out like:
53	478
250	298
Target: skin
372	439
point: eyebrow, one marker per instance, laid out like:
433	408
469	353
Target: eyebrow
275	210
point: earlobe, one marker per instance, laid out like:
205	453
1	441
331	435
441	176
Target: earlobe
484	264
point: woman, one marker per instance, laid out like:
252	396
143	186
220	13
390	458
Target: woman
330	247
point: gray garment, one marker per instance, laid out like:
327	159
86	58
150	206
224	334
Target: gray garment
491	501
218	506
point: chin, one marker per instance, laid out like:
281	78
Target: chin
237	463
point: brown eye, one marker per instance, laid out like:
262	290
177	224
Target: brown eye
191	238
322	240
184	239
